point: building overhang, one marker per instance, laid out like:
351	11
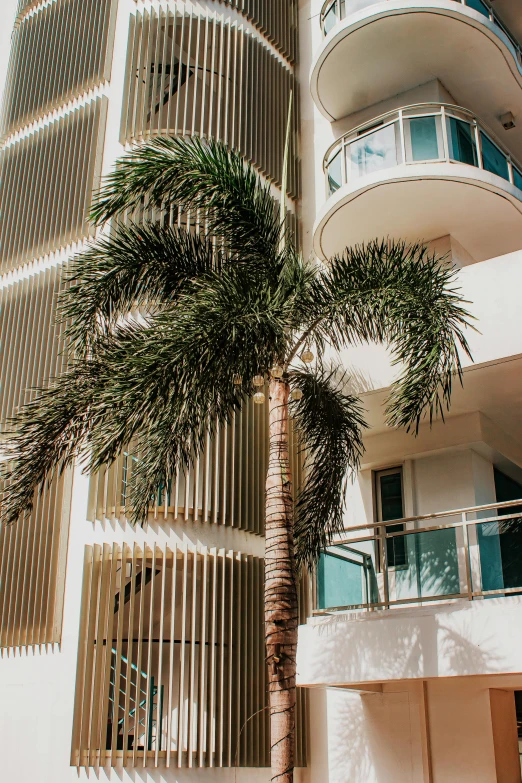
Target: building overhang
392	46
423	202
466	638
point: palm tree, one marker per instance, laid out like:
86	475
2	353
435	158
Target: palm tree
218	308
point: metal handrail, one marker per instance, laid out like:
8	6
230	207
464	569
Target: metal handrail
401	117
436	515
340	14
466	554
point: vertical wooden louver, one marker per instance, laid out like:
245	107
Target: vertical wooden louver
276	19
32	342
63	50
33	555
47	183
225	485
171	659
192	74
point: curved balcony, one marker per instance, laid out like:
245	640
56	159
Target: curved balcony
419	173
395	45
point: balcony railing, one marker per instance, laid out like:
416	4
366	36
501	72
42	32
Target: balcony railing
421	133
466	553
334	11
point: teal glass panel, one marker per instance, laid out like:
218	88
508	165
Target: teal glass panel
432	565
493	159
500	542
345	577
423	135
479	6
462	147
335	174
517	178
374	152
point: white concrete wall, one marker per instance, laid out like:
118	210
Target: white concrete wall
388	737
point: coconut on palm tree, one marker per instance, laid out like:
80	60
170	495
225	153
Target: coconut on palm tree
231	302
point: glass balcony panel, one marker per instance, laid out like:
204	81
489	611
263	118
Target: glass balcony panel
493	159
346	575
331	17
423	139
500	550
517	178
335	173
431	567
374	152
462	147
479	6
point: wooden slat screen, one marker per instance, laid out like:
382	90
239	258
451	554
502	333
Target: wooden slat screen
32	344
171	659
276	19
33	555
198	74
63	50
225	485
47	183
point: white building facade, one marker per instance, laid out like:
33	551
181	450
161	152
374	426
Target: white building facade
411	128
137	655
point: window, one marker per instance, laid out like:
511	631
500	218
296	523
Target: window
493	159
461	142
423	140
390	505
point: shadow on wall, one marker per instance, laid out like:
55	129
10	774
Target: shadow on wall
373	649
373	738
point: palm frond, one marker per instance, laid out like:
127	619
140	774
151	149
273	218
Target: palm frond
404	296
199	176
135	266
330	425
46	436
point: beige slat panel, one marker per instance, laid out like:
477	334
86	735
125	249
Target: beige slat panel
195	74
33	556
215	482
32	348
63	50
43	207
171	659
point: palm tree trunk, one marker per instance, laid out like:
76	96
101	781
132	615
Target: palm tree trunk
280	589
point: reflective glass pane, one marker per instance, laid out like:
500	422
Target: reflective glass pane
330	18
376	151
461	142
517	178
500	548
479	6
335	174
346	575
423	138
431	568
493	159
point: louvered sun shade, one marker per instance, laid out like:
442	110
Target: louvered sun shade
33	551
191	74
33	554
277	20
32	348
225	485
47	183
171	660
63	50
